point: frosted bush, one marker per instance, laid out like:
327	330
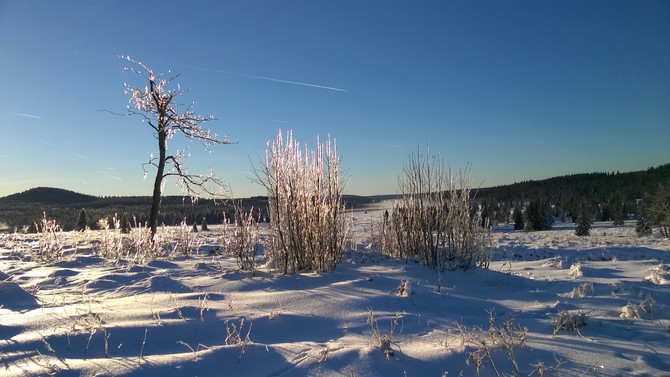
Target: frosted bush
629	311
581	291
433	221
50	244
308	229
576	270
569	320
242	238
657	275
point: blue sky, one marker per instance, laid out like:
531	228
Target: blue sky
517	89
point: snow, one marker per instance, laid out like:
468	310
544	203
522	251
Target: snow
373	316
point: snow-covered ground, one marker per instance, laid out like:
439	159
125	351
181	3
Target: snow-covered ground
200	316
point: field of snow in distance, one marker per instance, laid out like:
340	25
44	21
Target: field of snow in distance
551	303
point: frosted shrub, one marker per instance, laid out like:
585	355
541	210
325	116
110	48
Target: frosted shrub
111	241
50	245
576	270
185	239
657	275
432	220
243	240
569	320
644	310
135	245
307	225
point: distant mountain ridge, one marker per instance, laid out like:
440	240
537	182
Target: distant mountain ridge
548	187
49	195
25	208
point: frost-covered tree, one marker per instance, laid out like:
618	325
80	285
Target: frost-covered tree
155	104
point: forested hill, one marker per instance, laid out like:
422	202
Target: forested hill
48	195
593	187
22	209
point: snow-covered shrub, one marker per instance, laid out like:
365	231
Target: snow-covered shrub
555	262
50	245
308	229
242	238
111	240
629	311
576	270
185	239
383	342
432	220
506	336
569	320
582	290
644	310
135	245
657	275
404	289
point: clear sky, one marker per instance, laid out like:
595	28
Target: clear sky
518	89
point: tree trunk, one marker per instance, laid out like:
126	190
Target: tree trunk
156	199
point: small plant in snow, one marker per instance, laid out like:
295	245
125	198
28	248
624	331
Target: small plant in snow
383	342
404	289
569	320
644	310
540	369
234	336
629	311
576	270
657	275
582	290
506	337
555	262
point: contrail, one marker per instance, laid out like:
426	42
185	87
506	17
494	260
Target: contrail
259	77
285	81
112	176
78	155
26	115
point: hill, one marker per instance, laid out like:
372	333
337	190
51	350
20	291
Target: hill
562	193
49	195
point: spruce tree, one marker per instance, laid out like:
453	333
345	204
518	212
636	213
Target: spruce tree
195	228
583	221
518	219
82	221
125	223
642	226
538	216
659	209
203	225
617	208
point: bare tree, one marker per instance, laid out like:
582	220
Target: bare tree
155	103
